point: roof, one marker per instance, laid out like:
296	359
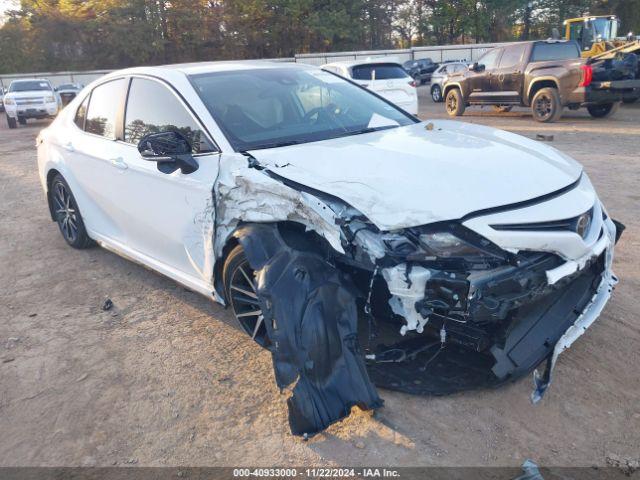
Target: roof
208	67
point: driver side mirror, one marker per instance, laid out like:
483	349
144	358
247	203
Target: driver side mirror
477	67
170	150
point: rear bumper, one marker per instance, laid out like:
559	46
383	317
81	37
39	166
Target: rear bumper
604	92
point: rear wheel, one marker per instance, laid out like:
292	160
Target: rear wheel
22	120
11	122
604	110
436	93
454	104
241	293
67	214
546	106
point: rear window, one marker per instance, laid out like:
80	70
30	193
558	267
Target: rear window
543	52
378	71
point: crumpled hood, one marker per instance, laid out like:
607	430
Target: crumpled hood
412	175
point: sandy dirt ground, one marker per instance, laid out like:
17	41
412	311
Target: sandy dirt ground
165	377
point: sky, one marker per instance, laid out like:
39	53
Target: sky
7	5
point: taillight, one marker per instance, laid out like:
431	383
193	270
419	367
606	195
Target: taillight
413	83
587	75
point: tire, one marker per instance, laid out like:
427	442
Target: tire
454	104
22	120
546	106
630	100
604	110
436	94
240	293
67	215
11	122
502	108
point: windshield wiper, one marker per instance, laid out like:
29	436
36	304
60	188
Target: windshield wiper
275	145
371	129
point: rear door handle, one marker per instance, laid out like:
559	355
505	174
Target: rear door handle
69	147
119	163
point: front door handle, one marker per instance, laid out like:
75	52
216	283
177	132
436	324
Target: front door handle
119	163
69	147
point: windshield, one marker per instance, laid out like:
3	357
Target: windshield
68	86
264	108
29	86
604	28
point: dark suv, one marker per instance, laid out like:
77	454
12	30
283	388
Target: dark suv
421	69
544	75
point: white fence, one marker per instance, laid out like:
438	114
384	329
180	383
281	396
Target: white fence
438	53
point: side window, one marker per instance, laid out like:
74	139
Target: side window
490	59
104	106
153	108
512	56
81	113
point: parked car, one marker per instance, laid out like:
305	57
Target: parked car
68	91
544	75
420	70
30	98
440	76
383	77
349	238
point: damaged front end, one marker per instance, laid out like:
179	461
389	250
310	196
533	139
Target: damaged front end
433	309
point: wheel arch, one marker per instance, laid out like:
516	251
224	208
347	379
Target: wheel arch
539	84
261	241
450	86
49	180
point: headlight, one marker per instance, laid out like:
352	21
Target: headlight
9	101
49	99
445	244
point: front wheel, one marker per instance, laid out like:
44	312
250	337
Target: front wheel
67	214
11	122
604	110
241	292
436	93
454	104
546	106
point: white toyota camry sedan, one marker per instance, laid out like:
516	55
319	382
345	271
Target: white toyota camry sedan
358	244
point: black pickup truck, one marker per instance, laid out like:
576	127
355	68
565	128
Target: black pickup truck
546	76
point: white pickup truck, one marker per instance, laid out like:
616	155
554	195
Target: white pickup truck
30	98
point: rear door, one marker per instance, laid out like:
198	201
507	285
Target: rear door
480	82
389	80
509	76
95	158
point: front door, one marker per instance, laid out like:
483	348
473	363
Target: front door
168	218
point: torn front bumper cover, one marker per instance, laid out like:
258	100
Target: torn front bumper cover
589	314
575	331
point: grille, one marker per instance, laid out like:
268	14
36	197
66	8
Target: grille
30	101
579	224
